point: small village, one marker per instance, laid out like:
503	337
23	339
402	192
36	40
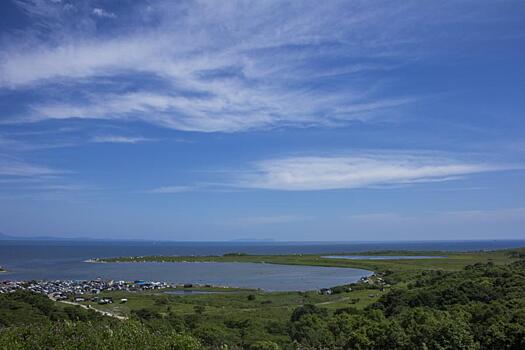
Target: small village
67	289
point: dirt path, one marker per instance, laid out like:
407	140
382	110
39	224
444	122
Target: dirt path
333	301
105	313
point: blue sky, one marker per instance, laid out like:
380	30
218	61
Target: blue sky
219	120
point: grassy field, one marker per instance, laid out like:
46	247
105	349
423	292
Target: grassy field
264	306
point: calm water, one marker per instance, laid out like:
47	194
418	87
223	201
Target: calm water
383	257
65	260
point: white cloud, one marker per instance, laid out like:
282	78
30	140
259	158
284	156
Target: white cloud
75	60
235	110
16	168
118	139
172	189
228	67
99	12
310	173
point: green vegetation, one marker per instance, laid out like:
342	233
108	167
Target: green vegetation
92	335
476	301
481	307
24	308
32	321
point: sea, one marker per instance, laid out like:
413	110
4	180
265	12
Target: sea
67	260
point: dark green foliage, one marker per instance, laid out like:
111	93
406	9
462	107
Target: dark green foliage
339	289
481	307
145	314
211	335
312	331
162	301
432	329
264	345
307	309
175	321
93	335
25	308
199	309
32	321
192	321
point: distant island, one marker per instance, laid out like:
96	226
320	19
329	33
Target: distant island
253	240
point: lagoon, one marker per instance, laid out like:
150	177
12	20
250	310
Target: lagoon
268	277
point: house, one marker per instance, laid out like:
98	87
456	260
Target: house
325	291
104	301
58	296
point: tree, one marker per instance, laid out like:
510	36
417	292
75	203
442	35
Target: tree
312	331
307	309
264	345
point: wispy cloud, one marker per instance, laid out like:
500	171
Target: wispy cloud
19	143
225	68
238	111
21	179
173	189
385	170
100	12
119	139
310	173
16	168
